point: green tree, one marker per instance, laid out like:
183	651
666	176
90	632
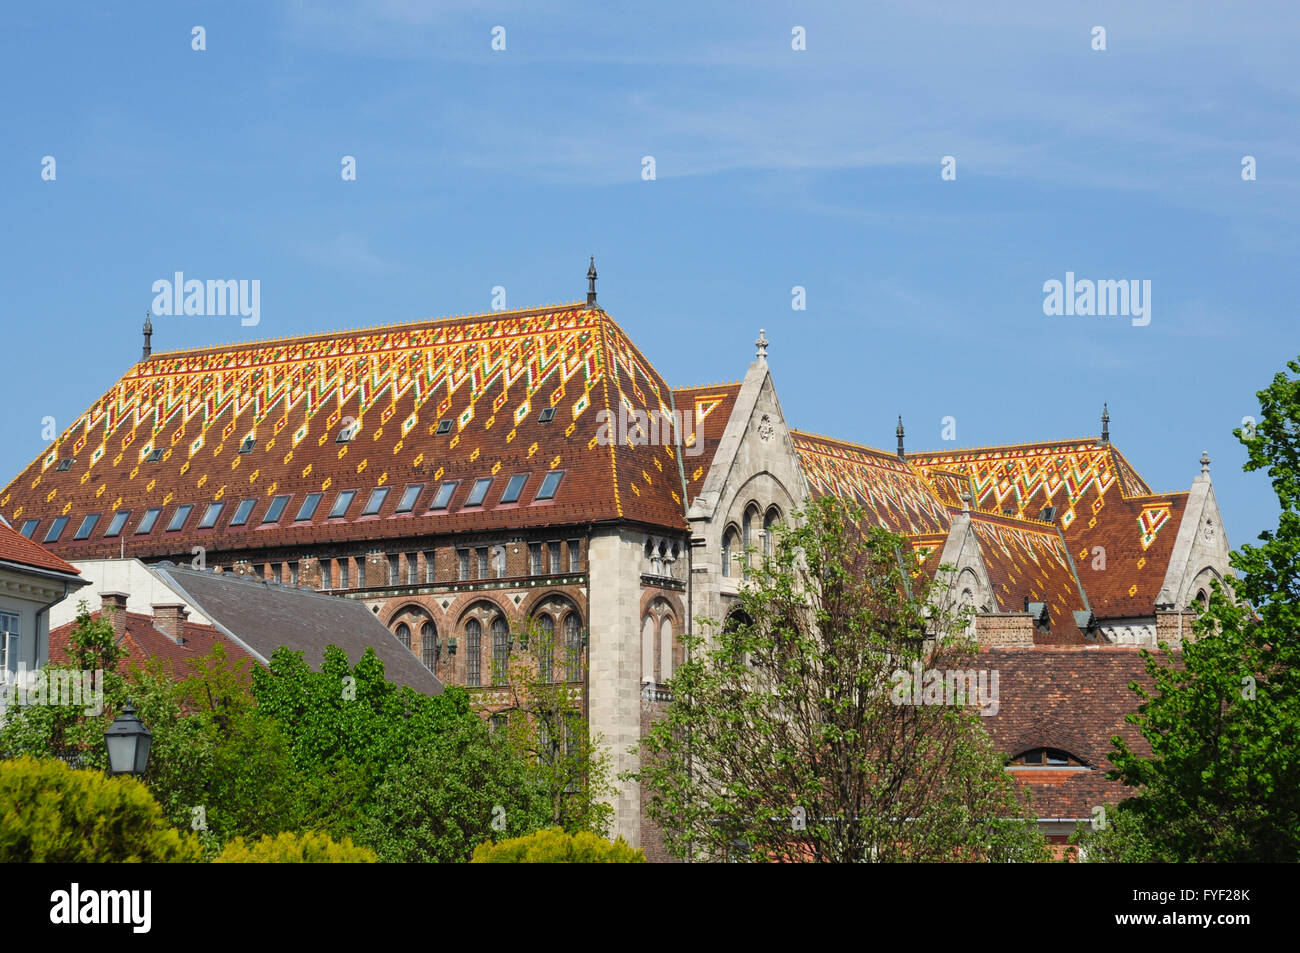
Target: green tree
544	727
52	813
1222	782
785	739
556	846
309	847
454	790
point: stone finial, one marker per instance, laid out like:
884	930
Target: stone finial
1205	462
1105	423
761	345
965	502
591	284
898	432
148	333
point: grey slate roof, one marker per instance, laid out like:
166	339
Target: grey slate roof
263	616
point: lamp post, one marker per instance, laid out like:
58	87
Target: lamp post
128	742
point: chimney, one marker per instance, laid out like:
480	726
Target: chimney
113	607
169	617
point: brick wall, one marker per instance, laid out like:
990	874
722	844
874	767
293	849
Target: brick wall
1005	628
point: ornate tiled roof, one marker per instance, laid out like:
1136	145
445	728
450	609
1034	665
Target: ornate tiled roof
429	403
710	408
1027	562
895	495
1101	505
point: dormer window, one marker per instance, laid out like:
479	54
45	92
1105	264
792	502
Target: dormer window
66	464
1047	758
548	414
248	445
153	456
444	427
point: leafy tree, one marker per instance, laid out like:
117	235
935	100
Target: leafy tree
52	813
1222	782
345	725
784	740
309	847
544	727
218	764
70	731
555	846
449	793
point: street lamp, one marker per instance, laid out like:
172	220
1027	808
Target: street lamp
128	742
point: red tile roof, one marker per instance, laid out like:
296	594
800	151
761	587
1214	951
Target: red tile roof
17	548
1074	699
1027	561
144	641
490	376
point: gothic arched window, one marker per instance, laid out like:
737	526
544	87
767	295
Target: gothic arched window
473	653
429	645
500	650
404	634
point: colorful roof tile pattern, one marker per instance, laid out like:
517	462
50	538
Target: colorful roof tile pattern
710	408
1029	564
426	404
1103	507
895	495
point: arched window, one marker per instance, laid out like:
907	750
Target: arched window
573	647
648	650
746	540
429	645
769	529
546	649
665	649
404	634
1048	757
500	650
728	546
473	653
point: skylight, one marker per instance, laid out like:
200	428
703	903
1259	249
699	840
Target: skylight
376	500
87	526
443	498
308	508
179	517
56	529
211	514
478	491
117	523
242	512
276	508
514	488
550	483
146	522
341	504
409	496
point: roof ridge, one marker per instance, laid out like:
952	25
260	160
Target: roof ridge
1098	445
428	322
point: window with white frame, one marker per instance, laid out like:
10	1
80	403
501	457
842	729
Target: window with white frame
10	644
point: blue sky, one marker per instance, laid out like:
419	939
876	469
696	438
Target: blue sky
774	168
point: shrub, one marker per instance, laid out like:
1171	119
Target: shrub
306	848
50	813
554	846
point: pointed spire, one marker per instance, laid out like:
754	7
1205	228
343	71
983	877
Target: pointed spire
1105	423
761	344
591	284
1205	462
899	434
148	333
